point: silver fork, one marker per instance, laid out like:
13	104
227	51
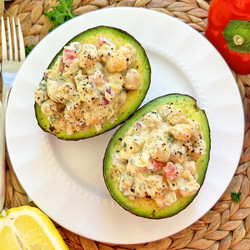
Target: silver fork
10	66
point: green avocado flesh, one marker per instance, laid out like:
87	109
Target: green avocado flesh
135	97
146	207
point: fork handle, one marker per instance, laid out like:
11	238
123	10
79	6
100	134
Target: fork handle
5	96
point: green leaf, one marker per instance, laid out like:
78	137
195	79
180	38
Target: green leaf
236	196
60	13
52	119
28	49
237	36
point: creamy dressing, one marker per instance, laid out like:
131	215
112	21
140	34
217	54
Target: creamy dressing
157	157
87	85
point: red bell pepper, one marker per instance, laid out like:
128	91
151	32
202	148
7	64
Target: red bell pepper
228	29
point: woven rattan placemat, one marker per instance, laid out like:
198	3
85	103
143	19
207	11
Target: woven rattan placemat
227	224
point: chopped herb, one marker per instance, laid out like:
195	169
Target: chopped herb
236	196
52	119
125	145
43	84
28	49
153	112
186	188
43	101
131	161
171	138
60	13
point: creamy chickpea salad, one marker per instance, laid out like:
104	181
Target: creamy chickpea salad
157	157
87	85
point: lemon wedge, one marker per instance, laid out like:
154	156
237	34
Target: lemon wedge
28	228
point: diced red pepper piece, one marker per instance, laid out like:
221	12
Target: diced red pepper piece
157	165
69	55
170	171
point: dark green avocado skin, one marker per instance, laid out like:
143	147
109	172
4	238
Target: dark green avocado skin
147	208
128	108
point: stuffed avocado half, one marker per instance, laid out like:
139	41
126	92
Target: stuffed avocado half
96	81
156	162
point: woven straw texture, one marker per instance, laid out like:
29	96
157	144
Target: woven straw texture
227	224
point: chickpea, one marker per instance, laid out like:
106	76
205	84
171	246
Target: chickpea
74	113
120	100
191	166
115	78
52	90
152	120
159	151
130	54
132	79
165	110
186	190
196	128
88	57
49	108
60	123
176	116
199	149
67	91
116	62
182	132
177	152
41	96
105	52
130	145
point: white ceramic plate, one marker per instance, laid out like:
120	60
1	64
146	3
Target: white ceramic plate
65	178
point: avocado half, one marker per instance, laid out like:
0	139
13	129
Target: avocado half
135	97
145	207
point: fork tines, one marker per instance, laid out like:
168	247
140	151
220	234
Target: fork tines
12	35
